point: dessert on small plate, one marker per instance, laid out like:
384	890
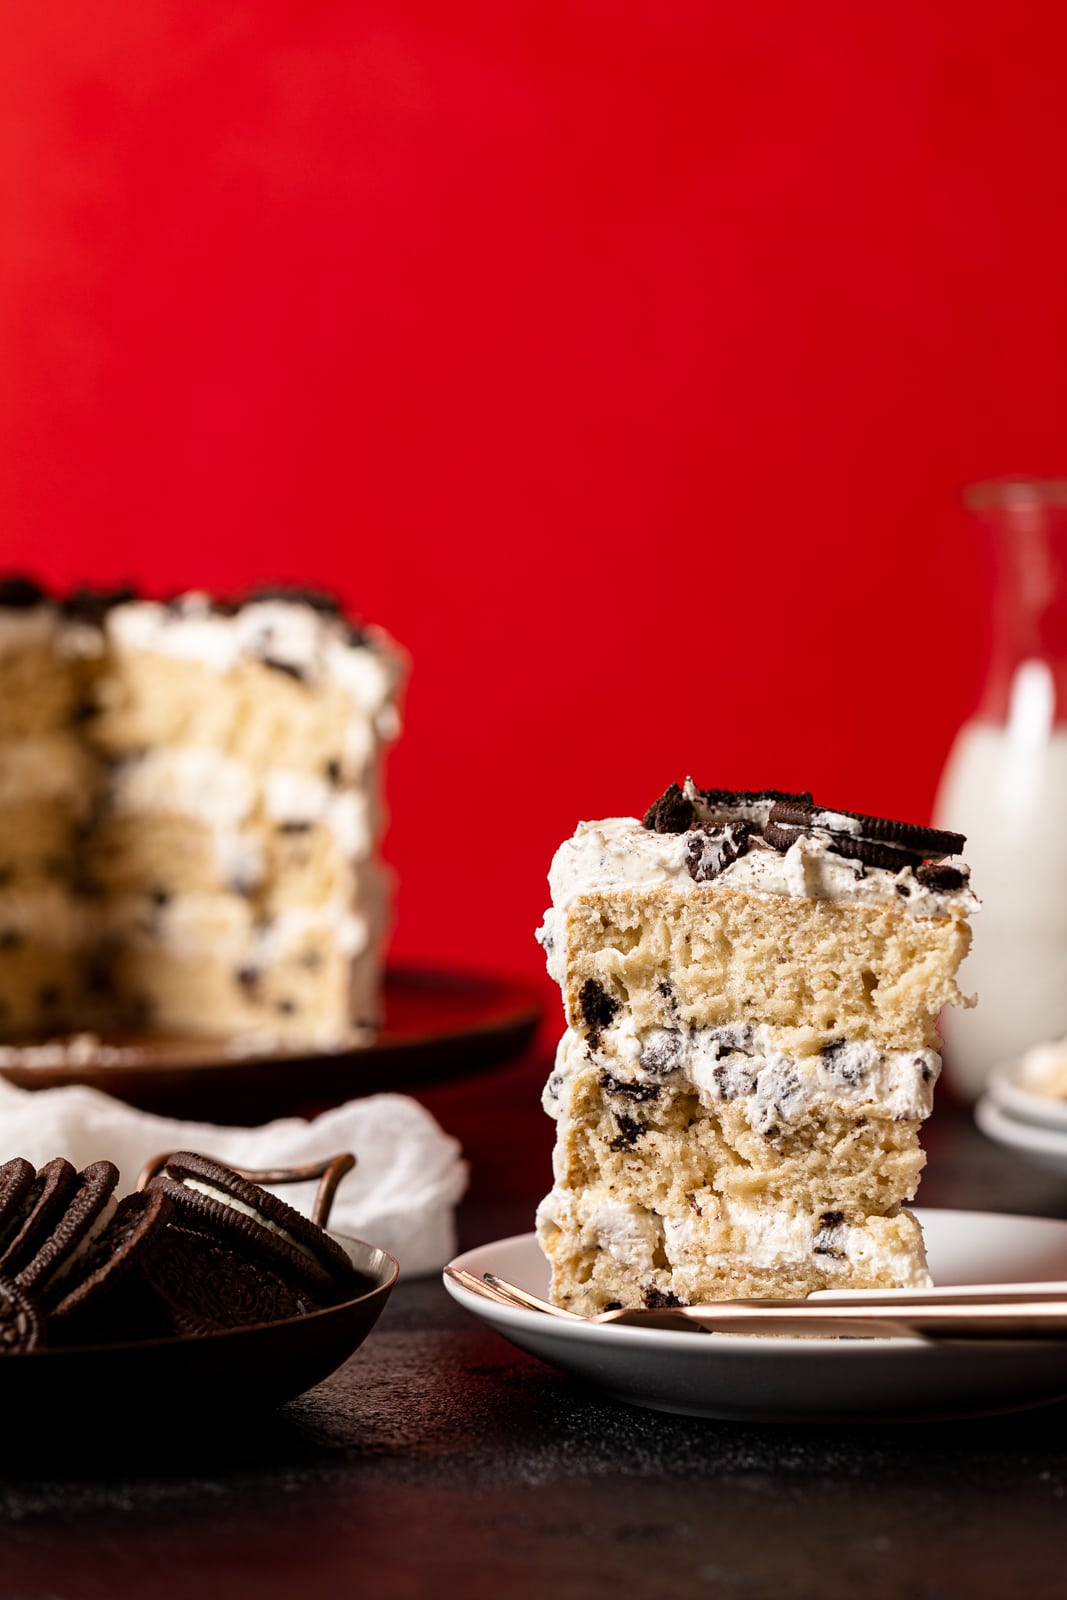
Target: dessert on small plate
751	985
746	1378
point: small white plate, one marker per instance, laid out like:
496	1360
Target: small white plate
1040	1109
1044	1147
770	1379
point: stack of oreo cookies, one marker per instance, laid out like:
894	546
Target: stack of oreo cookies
198	1250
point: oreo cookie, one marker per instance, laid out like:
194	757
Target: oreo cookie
100	1294
16	1180
679	809
86	1213
673	812
938	875
728	799
205	1285
872	841
213	1199
22	1327
909	836
866	851
31	1219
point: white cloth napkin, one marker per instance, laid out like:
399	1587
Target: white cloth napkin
401	1195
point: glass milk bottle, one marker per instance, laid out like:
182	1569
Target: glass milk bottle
1005	787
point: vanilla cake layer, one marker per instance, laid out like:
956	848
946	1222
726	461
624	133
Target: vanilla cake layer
42	978
751	1049
606	1252
204	964
822	969
200	784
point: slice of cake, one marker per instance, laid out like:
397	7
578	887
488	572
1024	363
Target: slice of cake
751	985
190	812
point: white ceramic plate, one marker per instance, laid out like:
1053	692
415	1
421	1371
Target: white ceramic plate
806	1380
1040	1109
1044	1147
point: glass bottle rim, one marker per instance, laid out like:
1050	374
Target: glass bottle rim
1015	493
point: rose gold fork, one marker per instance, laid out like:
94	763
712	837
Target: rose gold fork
993	1314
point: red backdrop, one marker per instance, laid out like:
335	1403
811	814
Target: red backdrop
626	360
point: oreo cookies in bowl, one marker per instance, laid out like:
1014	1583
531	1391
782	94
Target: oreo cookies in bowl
200	1288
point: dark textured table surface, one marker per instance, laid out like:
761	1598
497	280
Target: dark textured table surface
441	1461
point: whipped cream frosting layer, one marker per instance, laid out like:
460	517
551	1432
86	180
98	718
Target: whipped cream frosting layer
767	1239
743	1063
226	794
314	646
619	854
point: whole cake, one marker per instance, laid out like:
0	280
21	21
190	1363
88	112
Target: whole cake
190	809
751	985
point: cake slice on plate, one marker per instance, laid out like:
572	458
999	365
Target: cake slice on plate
751	985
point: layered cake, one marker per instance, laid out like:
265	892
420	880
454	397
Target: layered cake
190	811
751	985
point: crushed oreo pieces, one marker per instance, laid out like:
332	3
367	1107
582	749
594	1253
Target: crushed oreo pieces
597	1007
713	847
671	813
723	824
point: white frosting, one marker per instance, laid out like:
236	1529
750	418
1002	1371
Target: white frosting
234	1204
746	1065
291	796
728	1230
225	925
225	795
313	644
198	781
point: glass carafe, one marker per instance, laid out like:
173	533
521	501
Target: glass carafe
1005	787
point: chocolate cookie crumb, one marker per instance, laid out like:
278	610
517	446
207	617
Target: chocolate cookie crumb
598	1008
628	1134
638	1092
936	875
661	1300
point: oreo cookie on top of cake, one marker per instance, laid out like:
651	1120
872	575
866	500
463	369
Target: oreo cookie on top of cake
751	984
190	812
